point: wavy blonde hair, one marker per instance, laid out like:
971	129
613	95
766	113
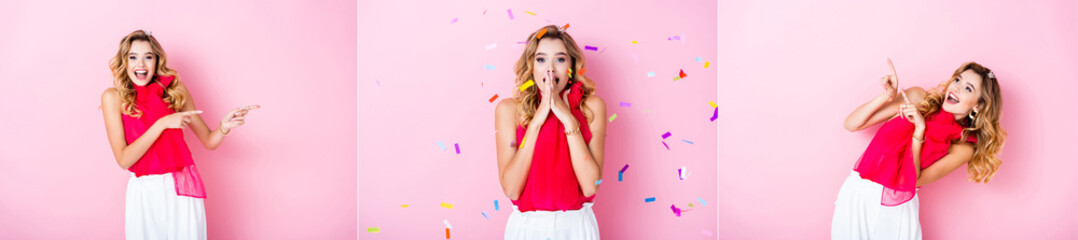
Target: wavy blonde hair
126	88
529	98
984	125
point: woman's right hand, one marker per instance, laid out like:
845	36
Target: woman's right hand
546	86
890	82
177	120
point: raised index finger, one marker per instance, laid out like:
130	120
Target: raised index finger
892	65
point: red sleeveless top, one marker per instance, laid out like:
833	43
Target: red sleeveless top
169	153
889	157
552	183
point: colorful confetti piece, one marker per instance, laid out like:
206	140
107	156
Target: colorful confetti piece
677	211
457	145
651	74
446	205
374	230
701	200
690	142
592	48
667	146
699	59
620	175
526	85
522	141
446	233
510	18
715	115
489	67
441	145
563	28
612	117
626	167
674	38
706	63
454	21
404	205
529	12
496	207
485	215
666	135
712	103
540	35
597	182
495	97
683	173
446	222
625	104
634	42
492	46
650	199
682	74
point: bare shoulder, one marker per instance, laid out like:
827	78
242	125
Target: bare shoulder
595	102
110	96
506	107
916	94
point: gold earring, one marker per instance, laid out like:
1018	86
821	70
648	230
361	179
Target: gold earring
973	114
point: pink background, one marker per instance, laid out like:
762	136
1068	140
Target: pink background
792	71
289	173
423	80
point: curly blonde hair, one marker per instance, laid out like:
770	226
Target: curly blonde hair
529	98
125	87
985	124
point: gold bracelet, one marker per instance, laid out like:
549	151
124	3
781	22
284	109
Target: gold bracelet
223	132
919	140
574	131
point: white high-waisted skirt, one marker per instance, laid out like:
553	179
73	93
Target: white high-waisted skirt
554	225
152	210
859	215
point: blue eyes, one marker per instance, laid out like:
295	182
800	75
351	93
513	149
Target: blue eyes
542	60
968	89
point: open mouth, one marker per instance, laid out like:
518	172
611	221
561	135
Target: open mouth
952	99
142	74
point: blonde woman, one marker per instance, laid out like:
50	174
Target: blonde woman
550	139
144	112
924	137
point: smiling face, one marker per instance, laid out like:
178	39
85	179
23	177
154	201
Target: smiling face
141	62
963	93
551	54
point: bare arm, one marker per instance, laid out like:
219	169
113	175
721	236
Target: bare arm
127	155
211	139
514	162
879	109
587	157
957	155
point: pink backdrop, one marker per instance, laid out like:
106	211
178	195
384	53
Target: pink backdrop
423	79
792	71
288	174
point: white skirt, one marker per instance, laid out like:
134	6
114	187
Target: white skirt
152	210
859	215
554	225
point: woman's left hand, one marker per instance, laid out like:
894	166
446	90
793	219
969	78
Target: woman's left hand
561	110
909	111
235	118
